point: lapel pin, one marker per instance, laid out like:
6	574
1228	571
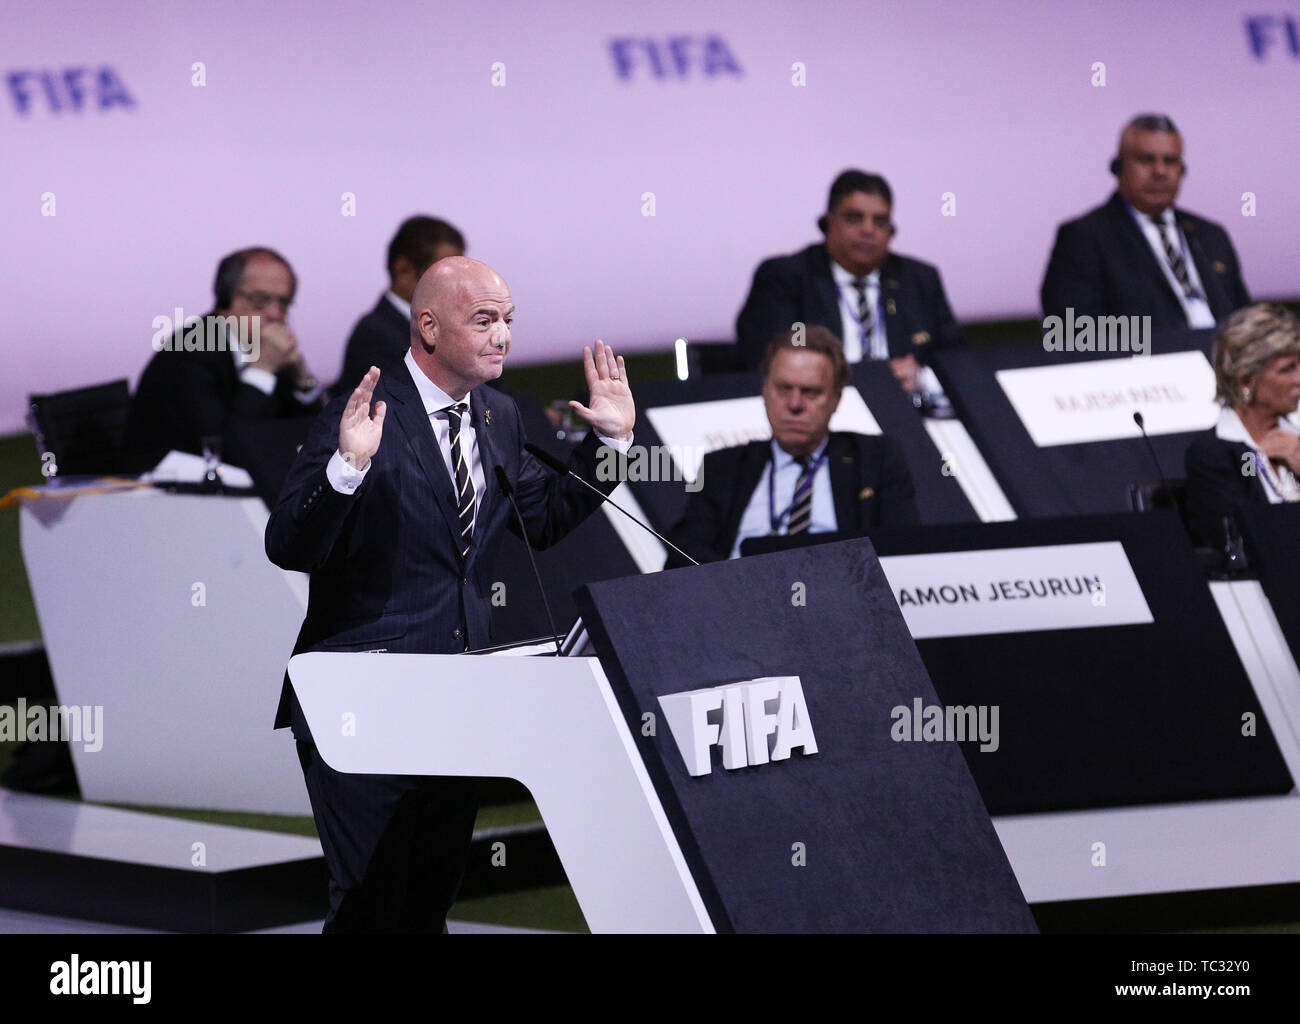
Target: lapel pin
890	308
487	416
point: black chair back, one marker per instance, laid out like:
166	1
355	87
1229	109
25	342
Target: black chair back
83	428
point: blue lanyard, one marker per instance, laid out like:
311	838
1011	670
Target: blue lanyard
772	517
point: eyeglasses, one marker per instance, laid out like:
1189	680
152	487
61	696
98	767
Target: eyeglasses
263	300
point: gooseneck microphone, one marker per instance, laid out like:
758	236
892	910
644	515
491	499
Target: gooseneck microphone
503	481
548	459
1137	418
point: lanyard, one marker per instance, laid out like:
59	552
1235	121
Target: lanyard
773	518
1273	478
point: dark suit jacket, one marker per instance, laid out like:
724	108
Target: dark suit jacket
800	288
380	338
385	564
1102	265
870	484
1216	485
184	397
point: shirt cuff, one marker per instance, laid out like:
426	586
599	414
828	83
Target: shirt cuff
263	380
342	477
619	446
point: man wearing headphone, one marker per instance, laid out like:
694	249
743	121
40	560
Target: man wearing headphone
1138	256
879	304
255	399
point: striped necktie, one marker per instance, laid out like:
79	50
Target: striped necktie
801	509
866	317
464	485
1174	254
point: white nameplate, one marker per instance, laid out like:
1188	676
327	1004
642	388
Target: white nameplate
1095	400
694	429
1016	590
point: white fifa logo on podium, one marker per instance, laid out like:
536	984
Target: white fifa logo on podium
754	722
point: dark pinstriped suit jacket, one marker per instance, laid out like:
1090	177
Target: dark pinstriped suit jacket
386	570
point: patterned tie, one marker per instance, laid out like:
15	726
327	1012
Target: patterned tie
801	510
464	485
866	316
1174	254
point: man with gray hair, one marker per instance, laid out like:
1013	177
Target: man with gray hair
237	378
807	478
1137	255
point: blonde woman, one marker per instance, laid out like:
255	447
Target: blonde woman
1253	455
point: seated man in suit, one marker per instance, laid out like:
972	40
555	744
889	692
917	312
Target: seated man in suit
383	335
805	479
255	395
1138	256
880	304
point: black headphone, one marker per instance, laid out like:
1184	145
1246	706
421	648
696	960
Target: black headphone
1149	123
1117	165
230	272
823	222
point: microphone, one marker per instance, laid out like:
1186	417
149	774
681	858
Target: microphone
1137	418
550	460
503	482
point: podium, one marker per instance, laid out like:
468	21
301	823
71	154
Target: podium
805	815
162	610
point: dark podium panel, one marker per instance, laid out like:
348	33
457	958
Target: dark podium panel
1272	536
1111	715
1060	480
591	552
894	834
939	498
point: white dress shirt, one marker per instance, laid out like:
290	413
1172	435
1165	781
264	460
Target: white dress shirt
756	522
1197	310
875	347
1280	484
399	304
346	479
264	380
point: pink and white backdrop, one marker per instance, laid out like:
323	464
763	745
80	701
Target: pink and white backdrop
153	177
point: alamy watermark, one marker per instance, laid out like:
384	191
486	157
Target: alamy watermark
655	462
211	333
77	977
75	723
1087	333
933	723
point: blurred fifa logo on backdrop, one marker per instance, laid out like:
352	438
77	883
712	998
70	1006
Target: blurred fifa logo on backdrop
70	90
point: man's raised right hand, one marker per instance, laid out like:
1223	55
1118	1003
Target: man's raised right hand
359	431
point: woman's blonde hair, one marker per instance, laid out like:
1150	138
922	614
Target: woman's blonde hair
1247	342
